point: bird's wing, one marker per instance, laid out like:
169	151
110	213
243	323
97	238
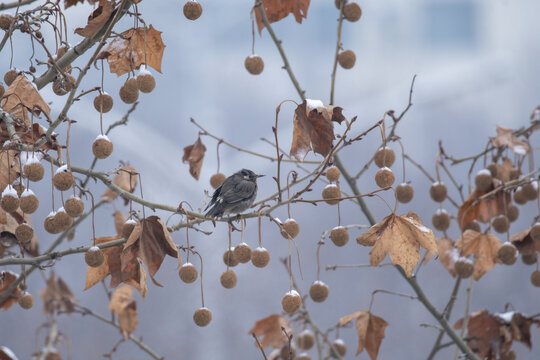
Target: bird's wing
214	197
234	194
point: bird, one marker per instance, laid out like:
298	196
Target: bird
235	195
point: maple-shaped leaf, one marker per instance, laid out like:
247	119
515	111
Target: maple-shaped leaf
506	138
122	305
150	241
517	326
22	96
97	19
7	354
126	179
194	156
119	221
130	272
6	279
483	331
270	330
278	9
524	243
483	210
400	237
133	48
57	297
483	247
313	128
370	329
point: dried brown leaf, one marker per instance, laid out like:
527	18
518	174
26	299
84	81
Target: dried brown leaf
482	210
447	254
119	220
370	329
506	138
313	128
194	156
524	242
22	96
483	329
270	330
57	297
278	9
125	179
133	48
503	170
6	279
483	247
400	237
97	19
125	307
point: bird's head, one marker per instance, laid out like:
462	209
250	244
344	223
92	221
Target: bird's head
248	175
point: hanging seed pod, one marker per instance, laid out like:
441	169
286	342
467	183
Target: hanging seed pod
74	206
63	178
192	10
33	169
254	64
102	147
103	102
29	202
291	302
145	81
188	273
202	316
260	257
10	199
94	257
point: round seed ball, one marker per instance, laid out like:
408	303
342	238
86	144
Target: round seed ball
146	82
254	64
34	171
74	206
192	10
229	259
26	301
347	59
535	278
127	228
287	352
10	76
188	273
331	193
473	225
384	177
94	257
464	268
216	180
129	92
338	3
5	21
102	147
305	340
103	102
318	291
291	302
483	180
384	157
530	191
500	224
62	179
228	279
290	228
441	220
303	356
352	12
493	169
24	233
438	191
260	257
339	236
242	253
404	193
519	197
50	224
512	212
10	202
29	202
333	174
507	253
340	347
63	220
202	317
529	259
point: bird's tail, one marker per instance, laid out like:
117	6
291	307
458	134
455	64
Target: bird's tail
215	211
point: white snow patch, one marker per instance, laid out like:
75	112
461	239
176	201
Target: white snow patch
441	211
330	186
104	137
61	209
437	183
293	293
10	191
464	259
278	221
260	249
506	317
339	341
130	221
338	227
144	71
51	214
484	172
313	104
93	248
520	150
186	264
61	169
31	158
290	219
386	168
319	282
27	192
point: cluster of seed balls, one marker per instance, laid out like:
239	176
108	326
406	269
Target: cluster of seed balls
351	12
304	342
339	235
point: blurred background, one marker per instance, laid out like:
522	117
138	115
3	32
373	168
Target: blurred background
477	67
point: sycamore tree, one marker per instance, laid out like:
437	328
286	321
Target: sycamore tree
501	177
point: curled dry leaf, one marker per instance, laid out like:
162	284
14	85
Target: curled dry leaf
483	247
125	179
97	19
313	128
278	9
194	156
524	242
122	305
133	48
400	237
119	220
57	297
150	241
270	330
123	268
447	254
6	279
22	96
504	169
506	138
483	210
370	329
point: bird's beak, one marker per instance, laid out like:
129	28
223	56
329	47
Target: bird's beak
259	175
